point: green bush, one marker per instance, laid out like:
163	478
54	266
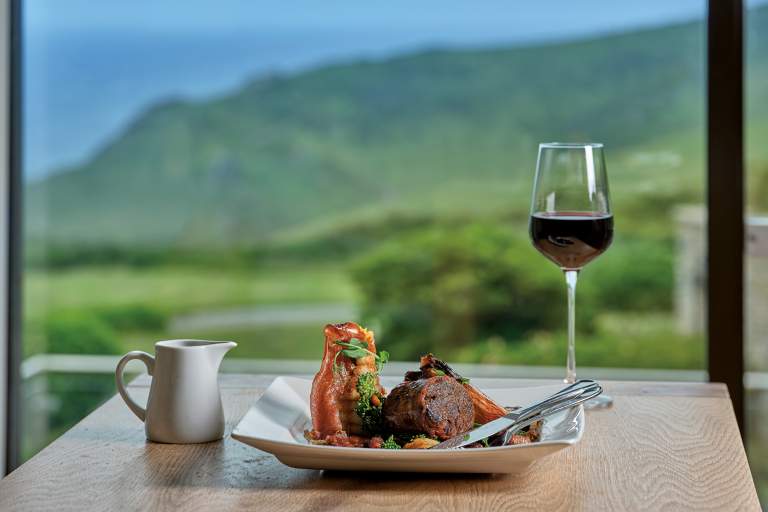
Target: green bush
43	254
758	186
69	397
450	287
133	317
661	349
441	288
633	275
57	256
80	332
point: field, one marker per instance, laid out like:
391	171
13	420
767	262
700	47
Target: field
119	299
139	303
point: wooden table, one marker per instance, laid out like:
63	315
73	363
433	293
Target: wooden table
663	446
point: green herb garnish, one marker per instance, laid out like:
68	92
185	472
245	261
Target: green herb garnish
357	349
382	358
390	444
370	415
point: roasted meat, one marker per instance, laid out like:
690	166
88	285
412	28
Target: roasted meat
334	389
485	409
438	407
350	407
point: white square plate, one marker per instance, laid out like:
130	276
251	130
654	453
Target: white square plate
276	424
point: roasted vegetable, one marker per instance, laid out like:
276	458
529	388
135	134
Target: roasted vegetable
421	443
390	444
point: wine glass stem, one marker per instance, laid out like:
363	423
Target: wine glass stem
571	276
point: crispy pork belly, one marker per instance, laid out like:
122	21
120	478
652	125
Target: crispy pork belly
438	407
334	391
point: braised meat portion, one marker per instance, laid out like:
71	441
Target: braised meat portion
438	407
485	409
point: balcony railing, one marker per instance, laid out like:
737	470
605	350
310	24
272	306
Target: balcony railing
79	364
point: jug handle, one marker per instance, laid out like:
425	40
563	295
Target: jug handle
147	360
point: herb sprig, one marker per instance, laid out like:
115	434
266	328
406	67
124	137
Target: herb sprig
356	349
391	444
441	373
368	410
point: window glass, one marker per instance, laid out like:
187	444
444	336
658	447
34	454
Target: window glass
756	262
251	171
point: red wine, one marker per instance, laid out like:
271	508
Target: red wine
571	239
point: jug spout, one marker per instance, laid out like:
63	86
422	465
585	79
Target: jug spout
217	350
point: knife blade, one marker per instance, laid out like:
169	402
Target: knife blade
480	433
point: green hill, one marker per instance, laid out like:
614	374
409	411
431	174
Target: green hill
437	131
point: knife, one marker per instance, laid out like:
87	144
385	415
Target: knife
574	394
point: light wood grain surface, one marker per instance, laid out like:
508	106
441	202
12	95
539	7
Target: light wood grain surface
663	446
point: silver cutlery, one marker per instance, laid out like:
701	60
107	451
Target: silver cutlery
570	396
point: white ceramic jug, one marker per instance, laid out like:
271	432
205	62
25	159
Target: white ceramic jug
184	404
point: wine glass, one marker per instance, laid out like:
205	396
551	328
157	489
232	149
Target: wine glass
571	221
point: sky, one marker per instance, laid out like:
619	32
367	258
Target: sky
91	67
513	19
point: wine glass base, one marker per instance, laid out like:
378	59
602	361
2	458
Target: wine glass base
599	402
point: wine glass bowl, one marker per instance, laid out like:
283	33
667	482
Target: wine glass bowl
571	221
571	239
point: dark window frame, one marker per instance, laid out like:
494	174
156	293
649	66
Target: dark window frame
14	244
725	198
725	206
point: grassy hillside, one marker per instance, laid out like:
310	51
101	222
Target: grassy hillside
437	131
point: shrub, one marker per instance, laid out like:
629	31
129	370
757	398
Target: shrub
133	317
74	396
633	275
661	349
79	332
439	288
449	287
758	186
84	255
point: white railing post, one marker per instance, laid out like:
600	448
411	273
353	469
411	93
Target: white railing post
757	236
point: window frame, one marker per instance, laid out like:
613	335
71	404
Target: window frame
10	141
725	207
4	229
725	198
